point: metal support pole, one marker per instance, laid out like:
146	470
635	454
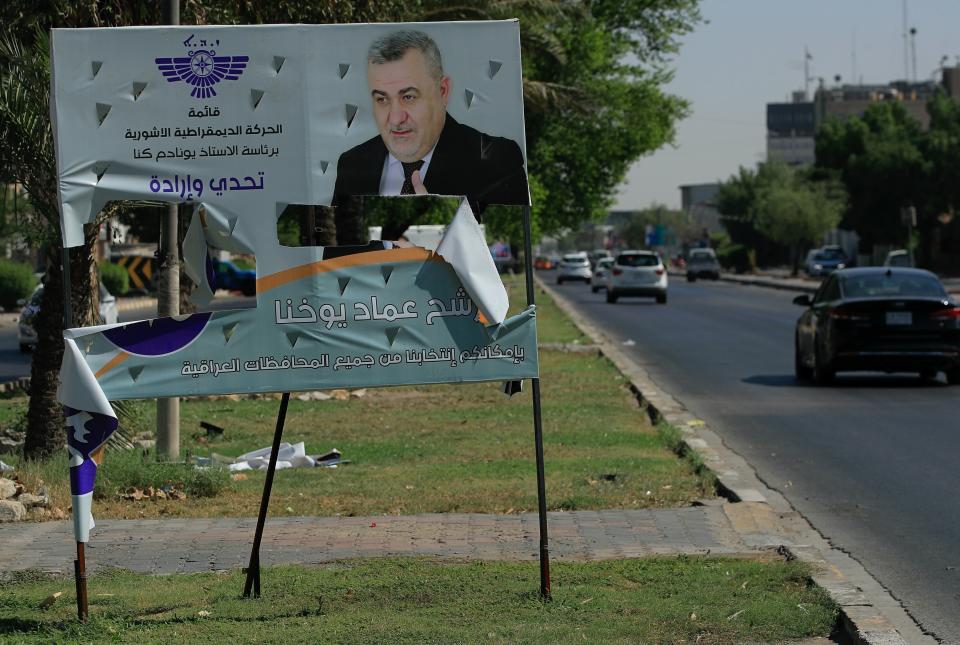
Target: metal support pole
253	569
168	302
80	564
537	423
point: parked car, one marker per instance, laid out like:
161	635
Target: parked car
898	258
637	273
824	261
702	263
879	319
232	278
598	280
27	335
574	266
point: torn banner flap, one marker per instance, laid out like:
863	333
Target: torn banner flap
464	247
90	422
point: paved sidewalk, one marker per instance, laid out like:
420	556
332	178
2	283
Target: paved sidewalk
192	545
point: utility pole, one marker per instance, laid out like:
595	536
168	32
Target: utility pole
168	302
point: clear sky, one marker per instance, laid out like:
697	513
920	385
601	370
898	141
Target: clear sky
750	52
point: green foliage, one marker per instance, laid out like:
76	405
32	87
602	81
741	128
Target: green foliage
732	255
735	201
115	278
777	207
797	211
122	470
16	282
661	599
881	158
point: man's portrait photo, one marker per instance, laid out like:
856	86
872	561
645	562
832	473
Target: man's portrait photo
421	148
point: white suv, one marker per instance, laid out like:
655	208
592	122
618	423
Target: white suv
637	273
574	266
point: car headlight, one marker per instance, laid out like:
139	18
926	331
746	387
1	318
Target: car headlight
817	266
841	266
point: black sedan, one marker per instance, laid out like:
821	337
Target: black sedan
878	319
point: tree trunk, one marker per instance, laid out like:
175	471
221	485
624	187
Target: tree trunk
46	435
795	259
326	231
350	221
186	284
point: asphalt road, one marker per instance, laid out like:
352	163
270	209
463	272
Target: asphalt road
871	462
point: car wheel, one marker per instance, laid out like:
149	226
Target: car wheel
611	297
24	349
691	278
594	289
662	299
559	280
801	371
928	375
822	373
953	376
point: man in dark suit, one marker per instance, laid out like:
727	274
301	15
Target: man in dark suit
421	149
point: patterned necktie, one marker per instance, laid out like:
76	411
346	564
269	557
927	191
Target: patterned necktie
408	168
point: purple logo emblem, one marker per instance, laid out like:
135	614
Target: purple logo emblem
202	69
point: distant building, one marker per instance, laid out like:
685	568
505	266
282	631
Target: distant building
790	130
792	127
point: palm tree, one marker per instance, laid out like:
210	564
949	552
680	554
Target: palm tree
27	141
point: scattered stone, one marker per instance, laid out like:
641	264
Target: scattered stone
30	500
11	511
359	394
340	395
8	488
8	445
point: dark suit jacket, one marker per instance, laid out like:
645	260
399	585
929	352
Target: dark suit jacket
488	170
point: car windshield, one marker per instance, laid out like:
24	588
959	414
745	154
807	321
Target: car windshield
701	257
892	284
638	260
574	259
605	263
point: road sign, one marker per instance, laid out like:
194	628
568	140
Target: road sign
140	269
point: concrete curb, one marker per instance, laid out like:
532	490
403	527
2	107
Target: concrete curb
759	514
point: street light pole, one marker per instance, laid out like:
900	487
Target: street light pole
168	302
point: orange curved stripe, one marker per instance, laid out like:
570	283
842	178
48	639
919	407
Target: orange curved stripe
116	360
292	274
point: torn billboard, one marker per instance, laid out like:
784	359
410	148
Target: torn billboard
243	121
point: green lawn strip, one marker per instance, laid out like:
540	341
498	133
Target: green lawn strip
441	448
655	600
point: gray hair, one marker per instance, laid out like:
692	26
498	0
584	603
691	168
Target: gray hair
394	45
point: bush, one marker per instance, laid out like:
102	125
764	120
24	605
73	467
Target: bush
735	256
16	283
115	278
130	469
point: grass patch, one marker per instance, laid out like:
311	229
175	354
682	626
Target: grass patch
657	600
427	449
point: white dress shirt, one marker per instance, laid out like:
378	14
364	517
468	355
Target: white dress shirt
391	179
